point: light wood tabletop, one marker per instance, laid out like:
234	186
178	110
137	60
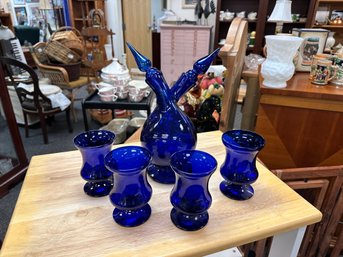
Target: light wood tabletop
54	217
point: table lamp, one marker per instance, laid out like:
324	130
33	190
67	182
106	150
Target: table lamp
278	67
281	13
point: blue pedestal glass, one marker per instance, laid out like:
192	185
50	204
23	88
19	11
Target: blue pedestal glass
168	130
190	196
94	145
131	191
239	168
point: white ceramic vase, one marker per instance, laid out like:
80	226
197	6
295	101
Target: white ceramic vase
278	68
330	41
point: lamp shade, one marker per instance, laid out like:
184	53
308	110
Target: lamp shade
45	4
282	11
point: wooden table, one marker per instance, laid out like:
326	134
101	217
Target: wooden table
53	216
302	124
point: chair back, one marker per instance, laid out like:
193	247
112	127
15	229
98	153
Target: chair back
36	95
232	55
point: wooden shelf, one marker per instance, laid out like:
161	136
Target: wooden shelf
329	26
262	27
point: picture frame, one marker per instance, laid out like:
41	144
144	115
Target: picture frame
34	14
18	2
188	4
20	14
314	43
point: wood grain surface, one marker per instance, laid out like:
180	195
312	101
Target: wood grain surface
301	123
53	216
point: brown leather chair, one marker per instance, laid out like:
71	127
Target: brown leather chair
32	102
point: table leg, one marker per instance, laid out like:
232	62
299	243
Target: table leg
287	244
250	104
84	113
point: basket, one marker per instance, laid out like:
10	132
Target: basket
58	52
70	38
72	69
75	45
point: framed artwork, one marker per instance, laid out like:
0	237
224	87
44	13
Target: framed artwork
189	3
21	15
18	2
34	14
314	43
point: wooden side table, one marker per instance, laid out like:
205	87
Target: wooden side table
93	102
302	124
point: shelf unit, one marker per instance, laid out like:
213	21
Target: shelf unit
79	9
262	27
329	6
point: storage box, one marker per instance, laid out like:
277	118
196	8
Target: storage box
314	43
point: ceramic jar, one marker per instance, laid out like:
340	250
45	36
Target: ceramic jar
322	72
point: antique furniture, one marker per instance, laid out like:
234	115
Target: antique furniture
57	75
14	153
68	222
33	102
181	46
301	123
232	55
93	102
79	10
321	186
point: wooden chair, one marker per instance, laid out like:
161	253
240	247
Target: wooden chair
232	55
57	75
321	186
33	102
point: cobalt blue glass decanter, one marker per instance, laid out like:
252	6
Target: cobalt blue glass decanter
131	191
168	130
239	168
190	196
94	145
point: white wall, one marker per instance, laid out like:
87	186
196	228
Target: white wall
114	21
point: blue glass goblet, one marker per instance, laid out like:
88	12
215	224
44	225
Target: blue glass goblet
190	196
239	168
131	192
94	145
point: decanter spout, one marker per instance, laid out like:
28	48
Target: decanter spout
143	63
187	80
202	65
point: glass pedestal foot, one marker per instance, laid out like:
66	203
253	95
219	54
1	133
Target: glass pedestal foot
189	222
161	174
98	189
132	218
236	192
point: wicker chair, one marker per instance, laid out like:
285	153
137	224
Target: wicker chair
57	75
32	102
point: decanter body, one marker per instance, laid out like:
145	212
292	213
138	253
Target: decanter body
168	130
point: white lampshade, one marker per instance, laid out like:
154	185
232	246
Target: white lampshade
282	11
45	4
